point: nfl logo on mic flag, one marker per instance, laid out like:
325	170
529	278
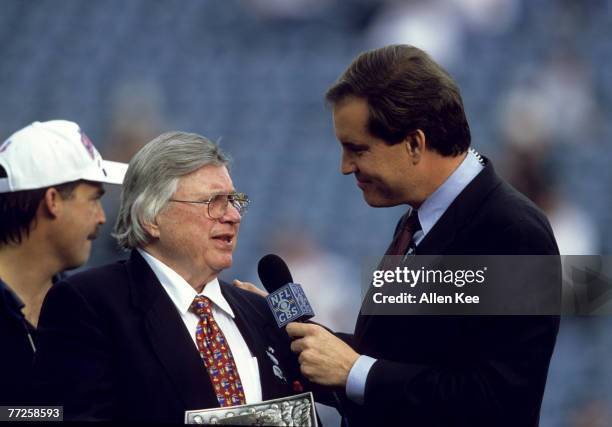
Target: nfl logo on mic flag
289	303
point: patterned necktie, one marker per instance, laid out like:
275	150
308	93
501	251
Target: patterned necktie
403	238
216	354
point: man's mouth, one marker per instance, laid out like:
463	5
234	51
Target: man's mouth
94	235
227	238
362	183
361	179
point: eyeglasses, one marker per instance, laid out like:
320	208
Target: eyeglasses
218	203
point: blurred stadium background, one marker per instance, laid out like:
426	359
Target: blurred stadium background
535	75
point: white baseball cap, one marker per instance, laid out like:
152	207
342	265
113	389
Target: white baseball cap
44	154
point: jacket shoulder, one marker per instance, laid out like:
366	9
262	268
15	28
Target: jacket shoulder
246	299
515	222
506	206
98	282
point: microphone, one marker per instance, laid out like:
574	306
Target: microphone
287	302
273	272
286	299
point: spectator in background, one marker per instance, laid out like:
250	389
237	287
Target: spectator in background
51	179
440	27
531	172
552	102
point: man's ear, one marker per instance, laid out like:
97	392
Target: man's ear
52	203
415	144
151	227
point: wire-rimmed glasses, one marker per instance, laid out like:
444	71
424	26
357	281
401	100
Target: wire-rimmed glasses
218	203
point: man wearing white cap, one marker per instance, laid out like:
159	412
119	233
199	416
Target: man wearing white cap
51	179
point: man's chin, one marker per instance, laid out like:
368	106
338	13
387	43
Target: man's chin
379	202
223	263
76	261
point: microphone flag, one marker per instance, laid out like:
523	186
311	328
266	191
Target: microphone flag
289	304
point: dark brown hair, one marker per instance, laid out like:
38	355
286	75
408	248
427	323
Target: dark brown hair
405	91
18	210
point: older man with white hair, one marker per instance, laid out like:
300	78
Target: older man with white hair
151	337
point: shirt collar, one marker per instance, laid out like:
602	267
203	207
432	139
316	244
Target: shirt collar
12	302
180	292
434	207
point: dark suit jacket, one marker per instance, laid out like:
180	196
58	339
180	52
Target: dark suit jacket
112	346
463	370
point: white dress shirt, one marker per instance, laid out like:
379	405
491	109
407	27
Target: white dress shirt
429	213
182	295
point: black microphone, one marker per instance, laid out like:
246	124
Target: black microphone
273	272
286	299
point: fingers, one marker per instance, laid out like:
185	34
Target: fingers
298	330
297	346
324	358
247	286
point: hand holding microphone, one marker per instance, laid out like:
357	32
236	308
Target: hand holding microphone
324	358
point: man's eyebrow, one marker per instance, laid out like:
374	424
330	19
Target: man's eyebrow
352	145
212	193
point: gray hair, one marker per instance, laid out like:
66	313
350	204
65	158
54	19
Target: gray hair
152	178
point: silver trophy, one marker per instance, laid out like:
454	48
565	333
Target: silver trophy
297	410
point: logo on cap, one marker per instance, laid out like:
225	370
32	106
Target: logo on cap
5	145
88	144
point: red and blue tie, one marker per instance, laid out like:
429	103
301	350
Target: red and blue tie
217	356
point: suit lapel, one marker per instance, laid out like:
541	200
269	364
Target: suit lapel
170	340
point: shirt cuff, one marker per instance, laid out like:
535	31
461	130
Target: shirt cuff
355	384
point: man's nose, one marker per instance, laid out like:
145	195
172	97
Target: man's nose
347	166
231	215
101	214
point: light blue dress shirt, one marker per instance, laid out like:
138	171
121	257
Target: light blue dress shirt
429	213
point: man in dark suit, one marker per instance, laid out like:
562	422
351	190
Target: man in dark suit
151	337
400	121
